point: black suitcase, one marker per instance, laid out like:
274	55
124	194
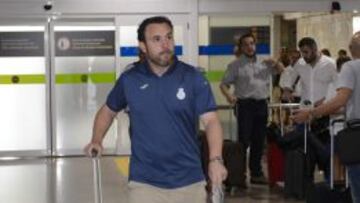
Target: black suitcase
323	193
335	192
234	155
298	172
296	178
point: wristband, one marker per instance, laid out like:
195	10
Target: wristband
217	158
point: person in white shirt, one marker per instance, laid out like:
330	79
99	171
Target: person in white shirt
316	72
294	56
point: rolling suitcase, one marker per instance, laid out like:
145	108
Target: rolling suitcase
287	159
296	177
97	177
297	172
275	153
233	154
233	159
275	160
335	191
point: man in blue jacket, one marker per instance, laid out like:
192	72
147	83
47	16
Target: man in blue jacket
165	97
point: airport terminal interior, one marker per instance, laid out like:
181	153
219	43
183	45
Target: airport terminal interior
60	58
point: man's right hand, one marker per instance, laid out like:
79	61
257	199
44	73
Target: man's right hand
287	95
231	99
93	146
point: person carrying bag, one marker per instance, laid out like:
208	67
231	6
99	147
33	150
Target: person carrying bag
347	143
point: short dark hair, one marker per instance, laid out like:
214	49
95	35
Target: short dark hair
151	20
294	51
307	41
326	52
241	39
342	51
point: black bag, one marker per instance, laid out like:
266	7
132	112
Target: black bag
322	193
347	141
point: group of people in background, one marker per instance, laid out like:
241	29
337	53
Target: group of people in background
307	77
348	96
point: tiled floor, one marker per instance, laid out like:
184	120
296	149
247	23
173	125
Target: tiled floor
70	180
259	194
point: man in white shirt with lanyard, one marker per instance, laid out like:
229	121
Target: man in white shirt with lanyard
317	72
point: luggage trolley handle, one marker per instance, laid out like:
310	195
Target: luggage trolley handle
217	194
281	107
291	106
233	113
94	153
306	124
97	176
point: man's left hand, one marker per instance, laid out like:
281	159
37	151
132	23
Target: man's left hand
269	62
301	115
217	172
319	102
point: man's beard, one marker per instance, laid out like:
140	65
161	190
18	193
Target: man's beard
162	63
310	60
250	55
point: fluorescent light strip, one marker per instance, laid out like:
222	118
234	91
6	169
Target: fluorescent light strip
21	28
83	28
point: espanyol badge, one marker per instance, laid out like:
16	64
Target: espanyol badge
181	94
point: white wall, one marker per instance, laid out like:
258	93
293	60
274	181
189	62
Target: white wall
356	23
95	6
204	38
220	62
330	31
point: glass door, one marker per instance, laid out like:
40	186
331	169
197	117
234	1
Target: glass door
24	108
84	73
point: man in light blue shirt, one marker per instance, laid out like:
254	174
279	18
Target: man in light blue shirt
250	78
